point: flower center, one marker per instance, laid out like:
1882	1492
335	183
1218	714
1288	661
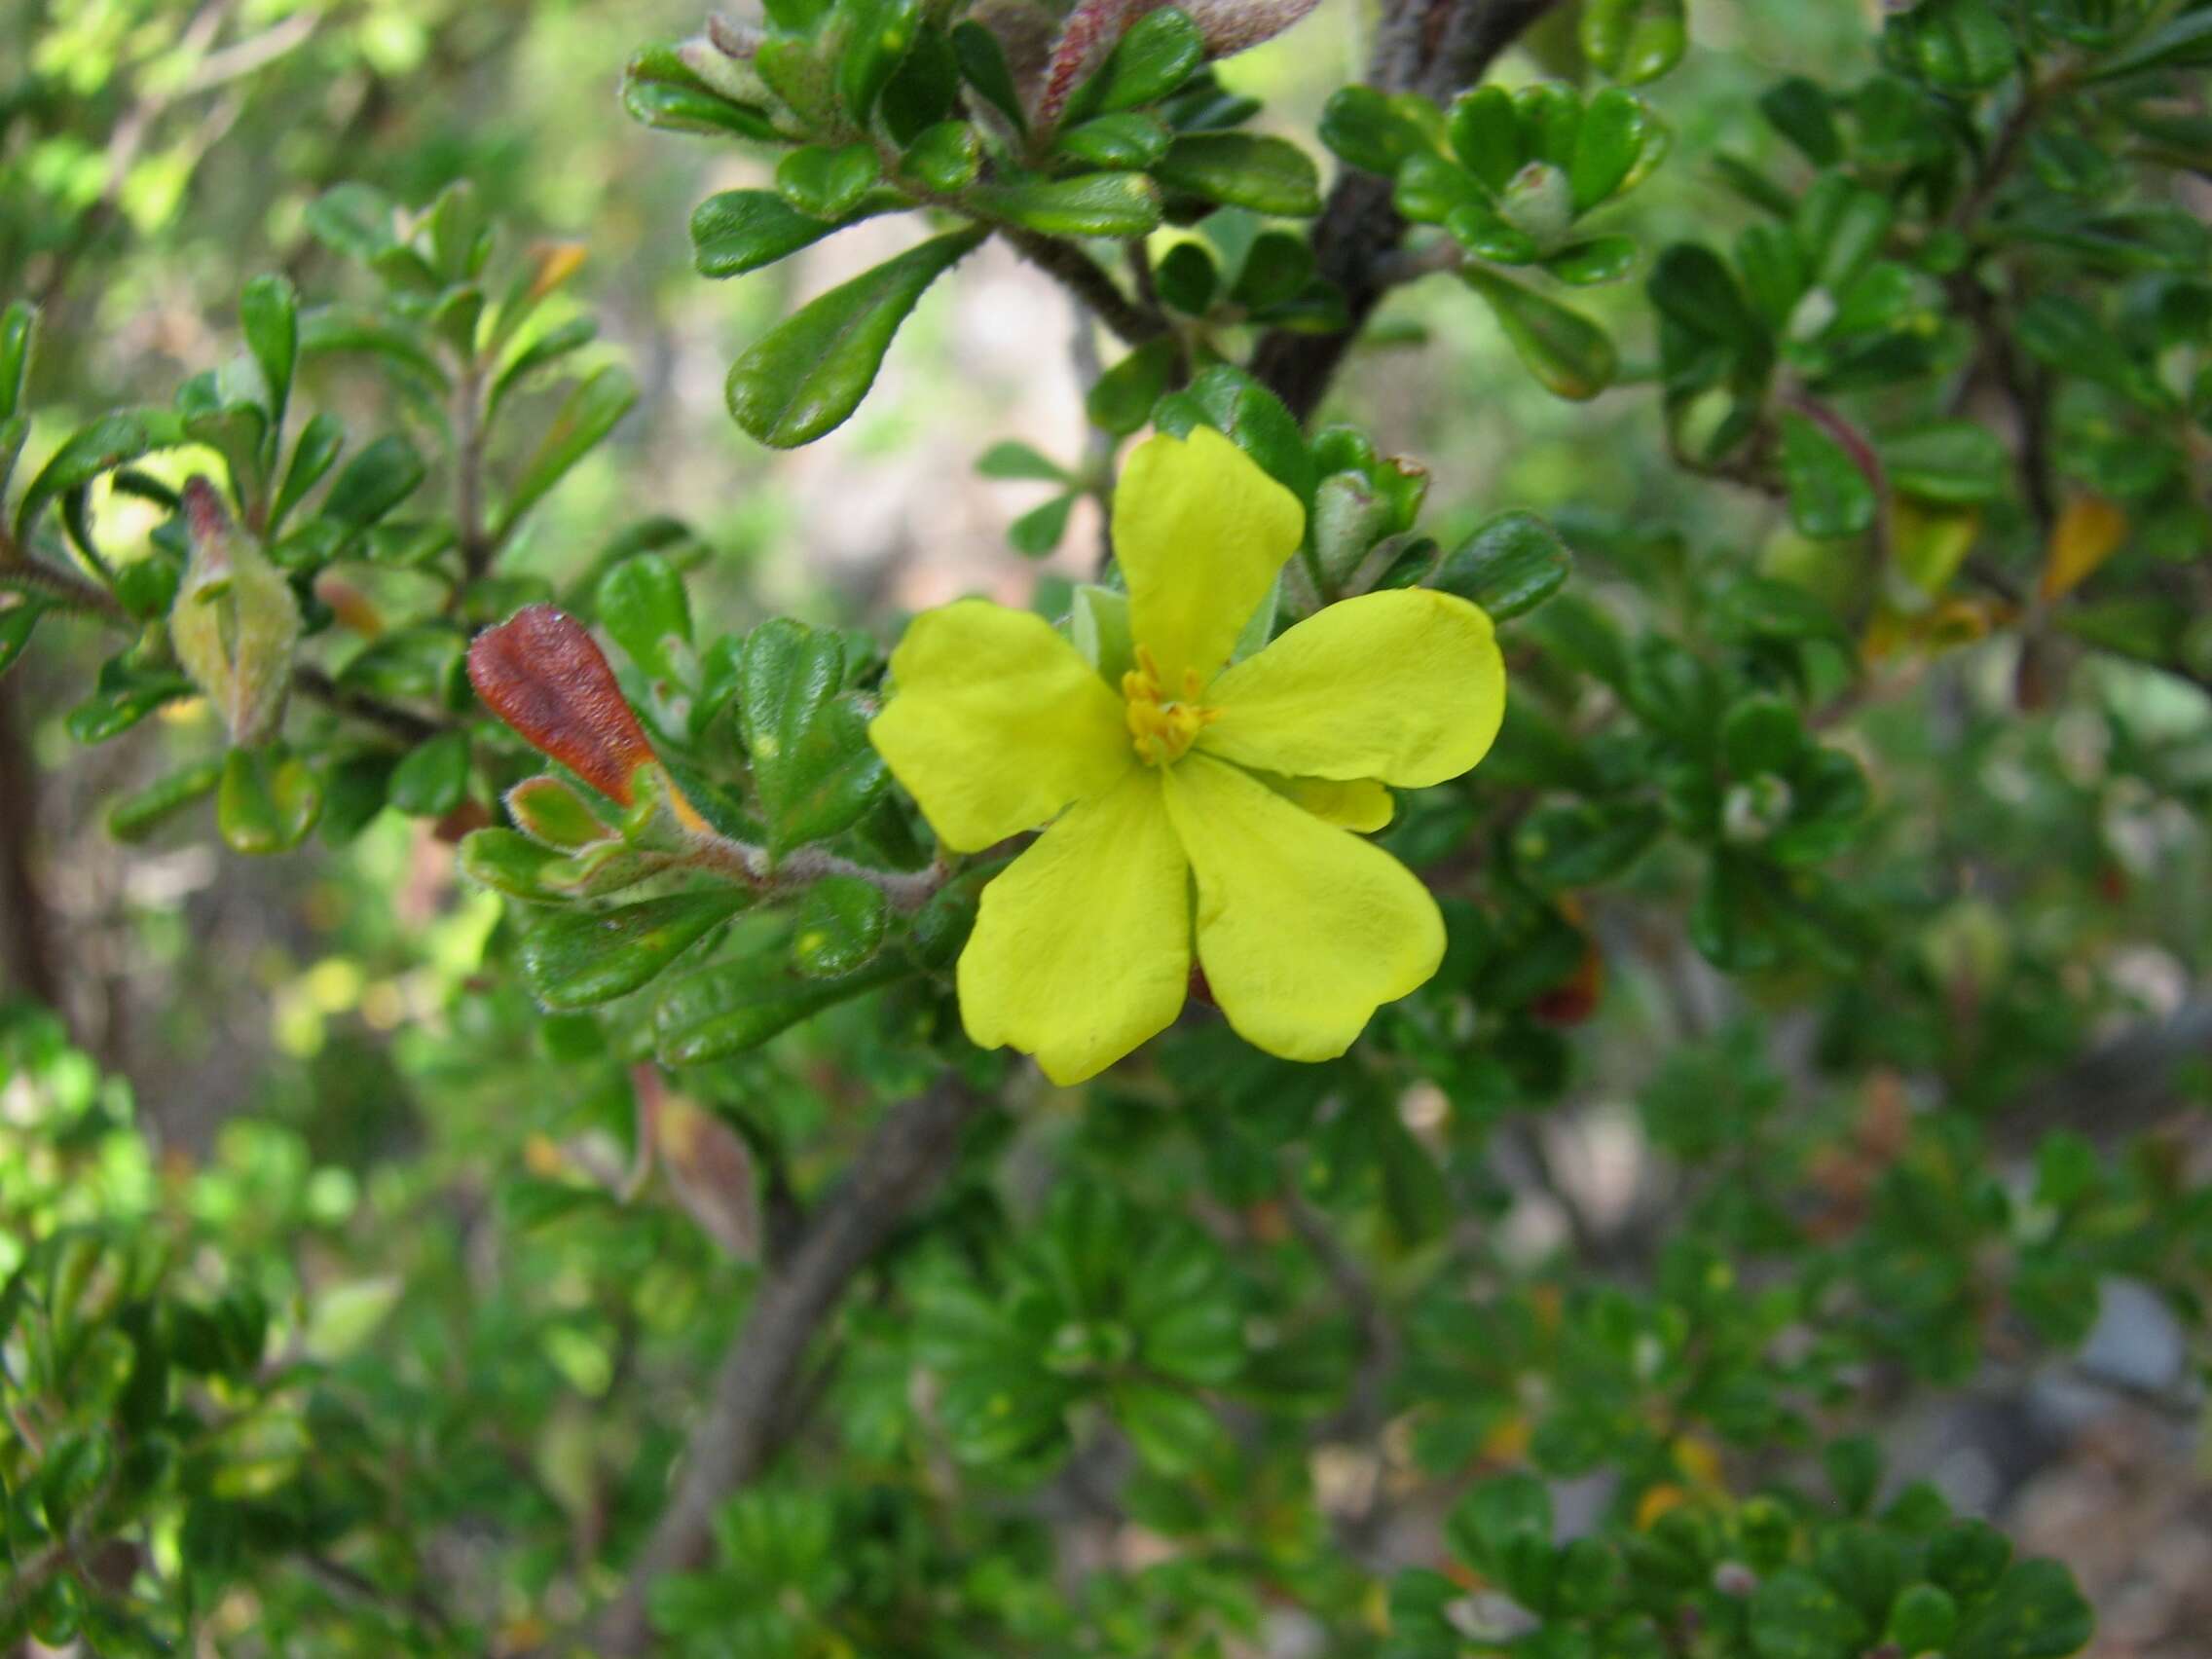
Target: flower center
1161	729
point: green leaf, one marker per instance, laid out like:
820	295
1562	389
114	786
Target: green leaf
548	346
813	766
1037	531
841	923
946	156
1160	50
576	959
509	864
1090	204
138	814
16	624
1570	356
353	220
334	328
1830	495
879	35
91	450
265	803
1484	131
268	312
433	779
1922	1620
546	809
2035	1612
1120	399
1633	40
1497	1517
1955	462
312	455
660	91
19	330
1608	147
736	1006
1800	110
1961	43
983	66
116	708
743	230
1794	1615
1512	563
2182	42
1015	459
827	184
807	375
1366	129
586	416
1242	170
374	482
1563	845
1133	139
644	605
1600	259
1173	1432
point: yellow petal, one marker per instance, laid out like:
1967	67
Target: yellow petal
1304	929
1349	804
1081	949
1407	686
995	723
1200	534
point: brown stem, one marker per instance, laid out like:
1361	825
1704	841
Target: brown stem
1430	47
1083	277
28	950
747	1416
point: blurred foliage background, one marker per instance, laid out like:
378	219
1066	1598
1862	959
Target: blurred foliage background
441	1351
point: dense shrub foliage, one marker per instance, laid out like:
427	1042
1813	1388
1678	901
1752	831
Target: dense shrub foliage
1795	1017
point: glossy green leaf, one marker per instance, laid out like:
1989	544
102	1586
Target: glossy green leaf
1607	146
743	230
580	958
1570	356
2035	1611
1090	204
876	38
335	328
1120	399
644	605
827	184
19	331
1829	493
983	66
806	375
813	767
374	482
1129	140
946	157
312	455
1961	43
137	815
268	312
1039	530
660	89
1634	40
841	924
1160	50
1242	170
1366	129
736	1006
266	802
1955	462
1511	565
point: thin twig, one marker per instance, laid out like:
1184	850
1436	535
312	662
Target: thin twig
1088	280
746	1414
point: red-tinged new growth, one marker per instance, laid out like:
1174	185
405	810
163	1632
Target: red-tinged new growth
545	677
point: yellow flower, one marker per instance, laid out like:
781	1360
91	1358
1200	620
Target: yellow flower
1249	777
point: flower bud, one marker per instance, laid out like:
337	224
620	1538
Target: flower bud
234	621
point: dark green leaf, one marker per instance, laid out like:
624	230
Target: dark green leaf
266	802
1830	495
813	766
1090	204
1242	170
91	450
735	1006
807	375
841	924
575	959
642	603
1512	563
586	416
433	778
1570	356
269	311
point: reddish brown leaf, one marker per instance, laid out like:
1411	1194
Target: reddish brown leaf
542	672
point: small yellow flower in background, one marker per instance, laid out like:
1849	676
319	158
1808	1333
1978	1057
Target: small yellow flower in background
1249	777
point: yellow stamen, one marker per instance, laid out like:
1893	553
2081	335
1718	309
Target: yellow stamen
1162	730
